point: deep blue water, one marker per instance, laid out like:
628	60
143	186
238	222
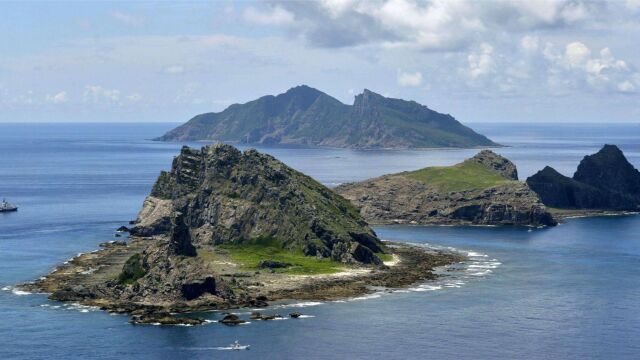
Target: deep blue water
571	291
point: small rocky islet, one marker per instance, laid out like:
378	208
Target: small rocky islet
482	190
226	229
604	181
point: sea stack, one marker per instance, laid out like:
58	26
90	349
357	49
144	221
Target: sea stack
603	181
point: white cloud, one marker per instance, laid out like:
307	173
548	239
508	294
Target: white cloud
530	44
58	98
626	86
481	63
409	79
274	15
96	94
128	19
174	69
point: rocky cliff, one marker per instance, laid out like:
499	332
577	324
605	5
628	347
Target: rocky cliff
604	181
482	191
306	116
219	195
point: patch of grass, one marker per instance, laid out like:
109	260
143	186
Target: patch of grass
132	270
467	175
249	253
384	257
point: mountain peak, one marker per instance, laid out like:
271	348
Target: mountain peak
496	163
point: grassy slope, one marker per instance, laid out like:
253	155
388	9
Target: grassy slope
467	175
249	253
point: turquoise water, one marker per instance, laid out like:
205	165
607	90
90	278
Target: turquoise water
565	292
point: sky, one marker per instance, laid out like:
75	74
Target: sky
480	61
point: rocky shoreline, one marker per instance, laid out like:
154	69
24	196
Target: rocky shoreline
80	280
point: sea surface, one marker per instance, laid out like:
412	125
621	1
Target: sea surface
569	292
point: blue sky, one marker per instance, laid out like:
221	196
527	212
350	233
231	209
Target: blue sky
526	61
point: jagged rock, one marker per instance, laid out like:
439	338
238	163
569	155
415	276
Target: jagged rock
411	197
497	163
232	319
295	314
123	229
605	180
180	238
164	318
226	196
304	115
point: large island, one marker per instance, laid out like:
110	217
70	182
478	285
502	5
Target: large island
306	116
226	229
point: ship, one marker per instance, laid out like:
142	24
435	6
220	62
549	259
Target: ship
6	207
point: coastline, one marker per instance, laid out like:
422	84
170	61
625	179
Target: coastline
82	280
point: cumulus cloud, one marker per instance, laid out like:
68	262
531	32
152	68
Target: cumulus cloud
428	25
272	15
96	94
58	98
409	79
481	62
127	19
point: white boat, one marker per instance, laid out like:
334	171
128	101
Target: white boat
236	346
6	207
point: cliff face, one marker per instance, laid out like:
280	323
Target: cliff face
480	191
306	116
219	195
603	181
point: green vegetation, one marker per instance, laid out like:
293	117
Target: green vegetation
249	253
132	270
384	257
467	175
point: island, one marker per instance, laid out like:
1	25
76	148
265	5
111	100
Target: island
603	182
227	229
309	117
482	190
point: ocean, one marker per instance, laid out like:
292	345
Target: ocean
568	292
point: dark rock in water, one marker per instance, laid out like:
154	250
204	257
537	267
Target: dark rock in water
123	229
219	195
117	235
232	319
604	181
194	290
609	170
295	314
255	315
132	222
306	116
496	163
164	318
272	264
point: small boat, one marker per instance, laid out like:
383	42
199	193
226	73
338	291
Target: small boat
236	346
6	207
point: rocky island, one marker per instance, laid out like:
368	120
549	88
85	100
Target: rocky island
306	116
226	229
604	181
482	190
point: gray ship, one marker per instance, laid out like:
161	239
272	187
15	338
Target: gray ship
6	207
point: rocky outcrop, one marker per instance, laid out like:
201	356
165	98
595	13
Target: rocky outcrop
224	196
496	163
401	198
306	116
603	181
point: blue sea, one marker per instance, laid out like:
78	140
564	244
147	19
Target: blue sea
568	292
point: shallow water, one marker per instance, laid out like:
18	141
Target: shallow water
565	292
